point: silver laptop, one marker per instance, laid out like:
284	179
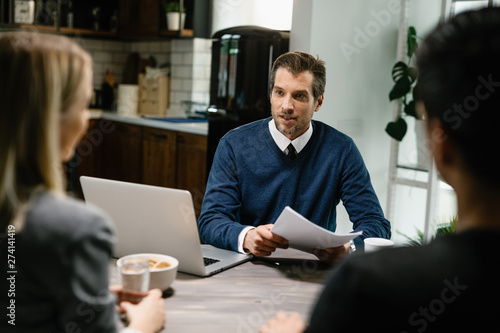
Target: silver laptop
151	219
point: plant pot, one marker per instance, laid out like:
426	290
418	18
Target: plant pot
423	153
173	20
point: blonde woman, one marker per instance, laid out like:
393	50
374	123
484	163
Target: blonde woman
57	248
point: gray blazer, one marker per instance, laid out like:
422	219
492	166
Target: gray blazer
62	256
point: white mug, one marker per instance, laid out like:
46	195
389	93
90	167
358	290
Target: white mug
373	244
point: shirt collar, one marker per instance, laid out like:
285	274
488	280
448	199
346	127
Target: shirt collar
282	141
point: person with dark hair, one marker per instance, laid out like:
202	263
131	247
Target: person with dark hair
288	160
451	284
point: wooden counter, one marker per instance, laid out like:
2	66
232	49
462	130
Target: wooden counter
187	127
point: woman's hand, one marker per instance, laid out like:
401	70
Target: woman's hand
148	316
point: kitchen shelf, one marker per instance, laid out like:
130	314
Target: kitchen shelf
60	30
16	26
137	20
87	32
44	28
175	33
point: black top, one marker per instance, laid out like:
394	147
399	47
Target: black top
448	286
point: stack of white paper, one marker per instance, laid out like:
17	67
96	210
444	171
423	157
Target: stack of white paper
304	235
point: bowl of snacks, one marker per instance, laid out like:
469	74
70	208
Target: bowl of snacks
162	269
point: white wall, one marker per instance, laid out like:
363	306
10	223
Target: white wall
272	14
358	41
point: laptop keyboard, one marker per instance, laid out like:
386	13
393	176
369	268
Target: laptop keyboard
209	261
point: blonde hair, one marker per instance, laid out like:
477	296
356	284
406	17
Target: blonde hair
41	75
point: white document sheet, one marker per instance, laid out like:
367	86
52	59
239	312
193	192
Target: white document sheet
304	235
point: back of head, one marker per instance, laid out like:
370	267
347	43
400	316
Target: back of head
41	76
298	62
459	84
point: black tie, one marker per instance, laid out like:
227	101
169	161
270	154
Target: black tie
292	153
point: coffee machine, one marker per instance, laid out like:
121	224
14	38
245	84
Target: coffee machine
242	58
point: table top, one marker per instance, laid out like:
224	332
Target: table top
242	298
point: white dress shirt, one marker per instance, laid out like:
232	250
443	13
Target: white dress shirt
282	142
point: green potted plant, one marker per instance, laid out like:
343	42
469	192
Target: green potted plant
404	77
173	14
442	229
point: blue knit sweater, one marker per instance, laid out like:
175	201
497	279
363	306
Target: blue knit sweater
252	180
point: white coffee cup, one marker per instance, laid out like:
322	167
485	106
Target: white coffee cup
373	244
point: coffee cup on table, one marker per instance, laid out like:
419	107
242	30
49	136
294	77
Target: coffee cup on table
373	244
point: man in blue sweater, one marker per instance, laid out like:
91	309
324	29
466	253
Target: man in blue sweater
288	160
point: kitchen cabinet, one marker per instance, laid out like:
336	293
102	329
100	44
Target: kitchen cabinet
159	160
147	19
121	153
145	155
120	19
88	152
93	18
139	18
192	165
198	22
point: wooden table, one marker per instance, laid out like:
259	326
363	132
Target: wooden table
242	298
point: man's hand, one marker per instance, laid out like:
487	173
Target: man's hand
284	324
262	242
332	255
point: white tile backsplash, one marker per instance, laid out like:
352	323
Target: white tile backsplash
182	71
190	61
183	45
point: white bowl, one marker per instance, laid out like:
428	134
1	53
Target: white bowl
160	278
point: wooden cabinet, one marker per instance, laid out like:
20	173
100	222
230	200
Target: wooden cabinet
139	18
92	18
87	154
145	155
147	19
159	160
125	19
192	165
121	153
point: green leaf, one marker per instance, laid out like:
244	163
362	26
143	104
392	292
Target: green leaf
400	89
397	129
399	70
411	110
400	75
173	7
411	41
414	241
